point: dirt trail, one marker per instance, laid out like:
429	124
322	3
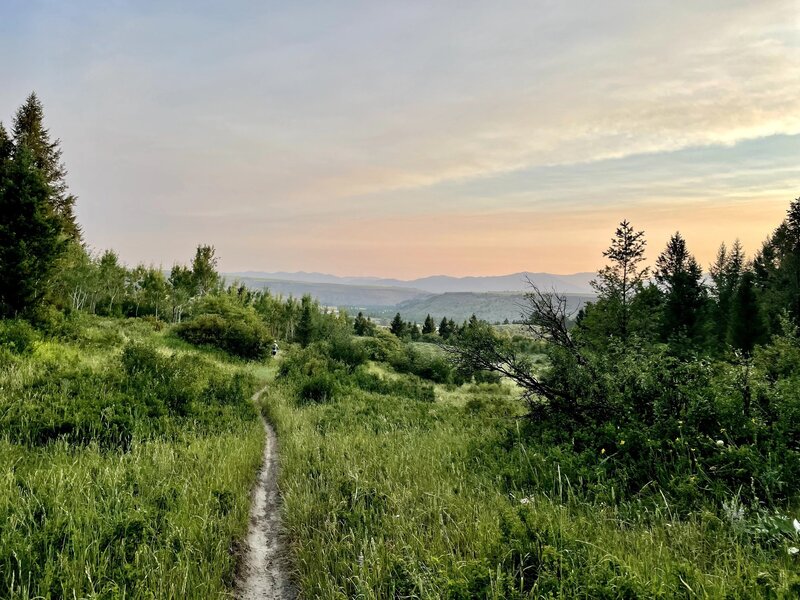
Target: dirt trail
265	574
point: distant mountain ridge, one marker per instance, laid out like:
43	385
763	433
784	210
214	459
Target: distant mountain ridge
575	283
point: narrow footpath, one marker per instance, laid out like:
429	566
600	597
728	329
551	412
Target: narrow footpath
265	574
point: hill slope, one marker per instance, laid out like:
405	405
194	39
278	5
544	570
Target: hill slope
576	283
335	294
460	306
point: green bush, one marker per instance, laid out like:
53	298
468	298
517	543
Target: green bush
17	336
319	387
427	365
243	338
410	386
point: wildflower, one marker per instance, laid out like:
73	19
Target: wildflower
603	451
622	442
720	443
525	501
796	524
793	551
680	422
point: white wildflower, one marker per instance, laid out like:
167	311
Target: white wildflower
793	551
796	524
720	443
525	501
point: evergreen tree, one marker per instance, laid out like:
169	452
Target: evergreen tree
746	328
444	329
429	326
31	235
398	326
777	269
681	278
725	274
29	130
363	326
413	330
306	325
618	282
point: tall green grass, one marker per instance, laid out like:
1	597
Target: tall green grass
126	461
386	496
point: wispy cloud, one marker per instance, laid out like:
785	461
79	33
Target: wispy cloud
253	122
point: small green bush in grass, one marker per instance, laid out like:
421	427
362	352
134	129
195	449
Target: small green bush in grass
17	336
245	339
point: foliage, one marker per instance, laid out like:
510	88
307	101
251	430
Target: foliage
379	490
31	237
17	336
618	283
224	323
29	131
105	446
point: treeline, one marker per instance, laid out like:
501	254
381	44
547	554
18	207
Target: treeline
46	270
668	382
409	330
742	303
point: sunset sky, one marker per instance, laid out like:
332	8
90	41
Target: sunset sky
410	138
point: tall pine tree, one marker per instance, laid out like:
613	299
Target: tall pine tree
31	236
725	274
398	326
777	269
618	282
29	130
746	326
429	326
681	279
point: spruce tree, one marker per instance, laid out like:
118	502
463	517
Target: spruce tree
398	326
725	274
746	328
31	235
681	279
777	270
444	329
28	130
306	325
362	325
618	282
429	326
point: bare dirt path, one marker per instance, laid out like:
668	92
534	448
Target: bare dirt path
265	574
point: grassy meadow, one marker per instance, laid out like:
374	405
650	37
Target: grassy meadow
390	496
126	460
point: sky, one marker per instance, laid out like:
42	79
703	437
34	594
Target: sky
405	139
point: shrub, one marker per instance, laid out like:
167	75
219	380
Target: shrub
410	386
427	365
346	350
17	336
243	338
319	387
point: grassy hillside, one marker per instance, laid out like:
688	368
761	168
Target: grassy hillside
389	494
126	457
492	307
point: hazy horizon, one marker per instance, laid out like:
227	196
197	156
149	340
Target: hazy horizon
405	140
